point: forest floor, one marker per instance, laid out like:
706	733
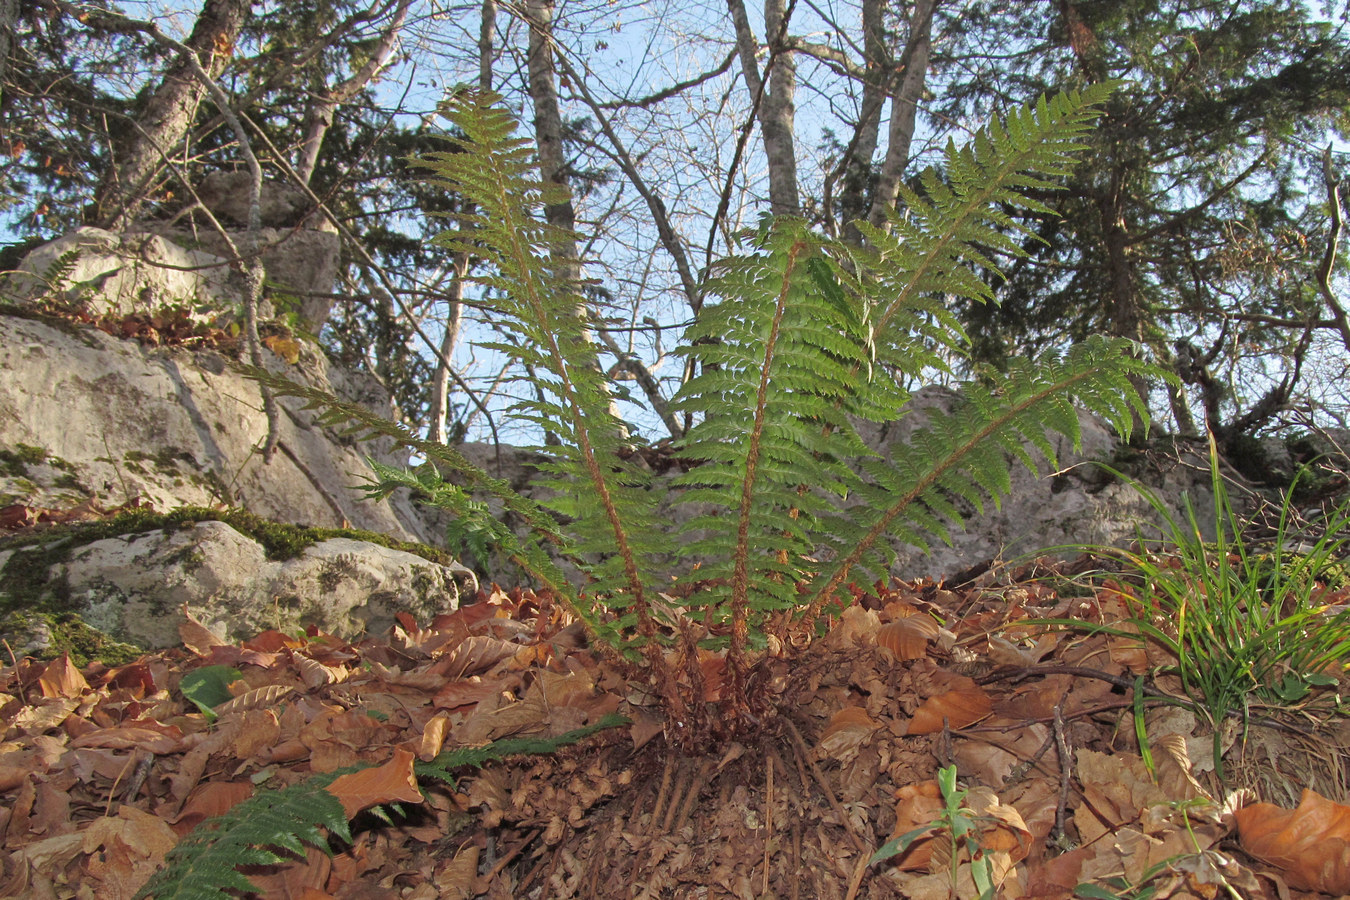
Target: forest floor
102	771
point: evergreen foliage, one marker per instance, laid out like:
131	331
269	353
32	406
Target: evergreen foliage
532	288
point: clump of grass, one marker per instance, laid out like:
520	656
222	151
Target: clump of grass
1249	625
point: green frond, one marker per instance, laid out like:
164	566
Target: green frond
937	245
270	827
964	454
533	289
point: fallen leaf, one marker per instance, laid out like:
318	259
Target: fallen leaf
845	733
196	636
62	678
1310	845
392	782
964	705
908	637
917	805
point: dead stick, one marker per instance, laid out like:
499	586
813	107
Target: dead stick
1065	766
825	787
768	818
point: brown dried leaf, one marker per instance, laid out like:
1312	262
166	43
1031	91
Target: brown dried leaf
916	805
433	736
845	733
475	655
61	678
315	674
214	798
392	782
264	697
45	716
908	637
965	704
1310	845
196	636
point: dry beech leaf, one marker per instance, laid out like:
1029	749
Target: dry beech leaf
392	782
908	637
964	705
316	674
196	636
1310	845
1003	652
456	878
916	805
475	655
45	716
848	728
258	698
433	736
210	799
61	678
1003	830
286	348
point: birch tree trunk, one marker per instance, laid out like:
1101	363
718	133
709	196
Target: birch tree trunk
454	318
904	108
776	100
319	115
138	154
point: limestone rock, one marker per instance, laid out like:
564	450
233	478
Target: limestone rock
116	420
134	588
121	274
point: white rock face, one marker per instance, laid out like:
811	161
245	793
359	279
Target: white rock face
161	265
129	273
175	427
135	587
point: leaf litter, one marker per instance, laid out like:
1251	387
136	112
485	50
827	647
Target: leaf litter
104	770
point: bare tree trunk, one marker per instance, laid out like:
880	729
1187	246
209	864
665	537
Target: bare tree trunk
454	318
139	152
319	115
9	15
440	388
547	115
1124	313
856	165
904	108
776	100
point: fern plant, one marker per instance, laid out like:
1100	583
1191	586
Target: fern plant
802	337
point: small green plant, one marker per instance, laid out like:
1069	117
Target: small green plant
1248	625
961	829
801	338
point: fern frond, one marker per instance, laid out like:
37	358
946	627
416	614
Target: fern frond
779	355
530	284
964	454
205	864
933	250
444	764
57	274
